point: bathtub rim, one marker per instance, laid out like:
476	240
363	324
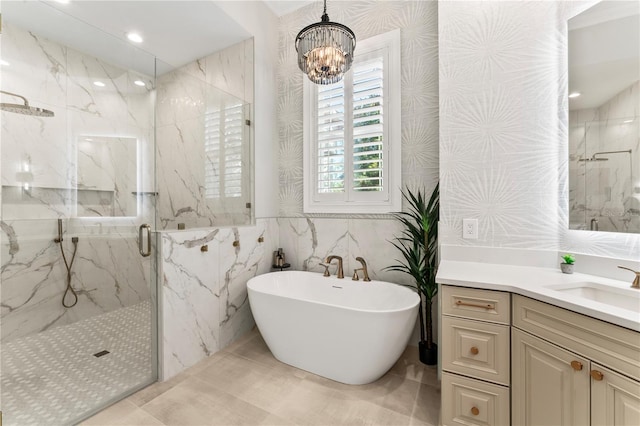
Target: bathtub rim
373	311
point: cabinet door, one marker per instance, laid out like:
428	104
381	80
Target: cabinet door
615	399
550	386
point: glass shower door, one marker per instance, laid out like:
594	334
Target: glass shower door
78	320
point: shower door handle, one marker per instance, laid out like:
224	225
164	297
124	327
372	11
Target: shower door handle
141	230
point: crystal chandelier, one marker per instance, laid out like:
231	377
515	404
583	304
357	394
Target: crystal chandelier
325	50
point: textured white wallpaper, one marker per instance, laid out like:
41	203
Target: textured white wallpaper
417	21
503	128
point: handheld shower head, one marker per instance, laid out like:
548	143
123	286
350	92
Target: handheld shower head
25	108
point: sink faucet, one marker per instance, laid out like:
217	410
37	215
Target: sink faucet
339	272
363	269
636	281
594	224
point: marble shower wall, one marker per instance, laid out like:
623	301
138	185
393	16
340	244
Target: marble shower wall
203	296
188	103
606	190
108	272
504	128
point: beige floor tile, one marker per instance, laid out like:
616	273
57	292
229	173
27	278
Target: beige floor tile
427	408
390	391
409	366
255	349
313	404
195	402
121	414
147	394
252	382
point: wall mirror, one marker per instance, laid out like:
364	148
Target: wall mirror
604	123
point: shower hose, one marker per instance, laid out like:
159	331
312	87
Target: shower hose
68	266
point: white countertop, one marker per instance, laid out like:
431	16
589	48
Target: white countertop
537	283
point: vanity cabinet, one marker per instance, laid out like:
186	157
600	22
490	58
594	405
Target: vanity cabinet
570	369
509	359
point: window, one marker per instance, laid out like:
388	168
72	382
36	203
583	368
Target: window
352	134
225	151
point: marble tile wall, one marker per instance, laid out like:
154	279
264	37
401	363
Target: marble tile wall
504	128
188	98
203	296
308	241
108	272
606	190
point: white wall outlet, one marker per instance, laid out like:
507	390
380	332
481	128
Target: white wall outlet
470	229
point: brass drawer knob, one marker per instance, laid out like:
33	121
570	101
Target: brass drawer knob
236	243
474	350
261	239
576	365
475	411
204	248
596	375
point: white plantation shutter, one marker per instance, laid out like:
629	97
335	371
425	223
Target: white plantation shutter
351	162
224	151
368	125
330	137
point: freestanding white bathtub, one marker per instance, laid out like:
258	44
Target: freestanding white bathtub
349	331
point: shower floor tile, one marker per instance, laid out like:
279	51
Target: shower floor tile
53	377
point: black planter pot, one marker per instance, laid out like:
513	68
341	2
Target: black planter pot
428	356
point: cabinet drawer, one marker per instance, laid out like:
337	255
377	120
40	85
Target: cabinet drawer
476	349
471	402
485	305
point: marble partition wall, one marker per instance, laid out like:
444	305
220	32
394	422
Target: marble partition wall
203	295
204	174
608	191
43	180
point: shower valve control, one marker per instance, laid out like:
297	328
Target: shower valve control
470	229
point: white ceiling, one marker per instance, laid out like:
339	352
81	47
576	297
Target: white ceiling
176	32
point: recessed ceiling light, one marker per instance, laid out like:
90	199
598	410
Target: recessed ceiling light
88	139
574	94
62	1
134	37
4	63
99	84
628	121
139	83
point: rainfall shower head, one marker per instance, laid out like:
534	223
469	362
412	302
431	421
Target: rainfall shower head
593	159
25	108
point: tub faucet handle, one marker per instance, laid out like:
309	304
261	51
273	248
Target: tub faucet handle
636	281
355	275
326	270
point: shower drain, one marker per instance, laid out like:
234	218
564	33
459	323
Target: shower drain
101	353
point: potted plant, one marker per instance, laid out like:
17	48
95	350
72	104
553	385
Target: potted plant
567	265
418	245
